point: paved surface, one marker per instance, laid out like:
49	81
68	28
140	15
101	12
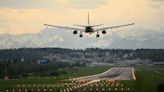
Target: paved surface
114	73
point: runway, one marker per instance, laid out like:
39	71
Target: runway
114	73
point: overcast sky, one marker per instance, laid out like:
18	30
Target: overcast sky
28	16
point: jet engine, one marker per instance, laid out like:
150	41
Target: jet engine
103	32
74	32
97	36
81	35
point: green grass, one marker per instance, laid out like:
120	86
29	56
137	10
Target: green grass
72	72
83	71
148	78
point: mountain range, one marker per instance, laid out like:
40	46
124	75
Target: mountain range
50	37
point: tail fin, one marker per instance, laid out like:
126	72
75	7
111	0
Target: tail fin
88	19
88	23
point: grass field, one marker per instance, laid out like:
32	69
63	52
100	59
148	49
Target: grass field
32	81
149	79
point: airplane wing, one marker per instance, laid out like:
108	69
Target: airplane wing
106	28
62	27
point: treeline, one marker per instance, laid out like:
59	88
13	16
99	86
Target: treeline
34	54
19	70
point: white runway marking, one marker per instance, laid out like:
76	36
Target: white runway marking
114	73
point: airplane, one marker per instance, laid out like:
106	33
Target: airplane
89	28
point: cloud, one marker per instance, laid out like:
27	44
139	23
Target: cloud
26	4
88	4
25	21
3	26
156	4
157	0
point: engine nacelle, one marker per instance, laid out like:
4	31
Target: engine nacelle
103	32
75	32
97	36
81	35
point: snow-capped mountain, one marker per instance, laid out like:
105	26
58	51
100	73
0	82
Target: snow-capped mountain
134	38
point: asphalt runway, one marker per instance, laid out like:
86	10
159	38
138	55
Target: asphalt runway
114	73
